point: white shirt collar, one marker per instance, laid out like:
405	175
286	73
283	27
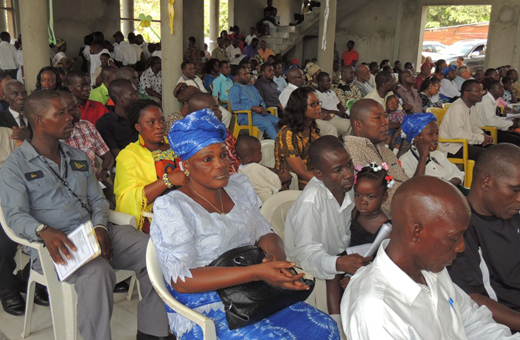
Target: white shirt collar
396	277
347	200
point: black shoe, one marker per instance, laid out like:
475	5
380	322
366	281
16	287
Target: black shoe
41	297
121	287
142	336
14	304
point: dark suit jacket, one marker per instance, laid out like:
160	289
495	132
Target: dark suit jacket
7	119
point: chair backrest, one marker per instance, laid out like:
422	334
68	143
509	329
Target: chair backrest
156	278
268	159
276	207
439	113
350	102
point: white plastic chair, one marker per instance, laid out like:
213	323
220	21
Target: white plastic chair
62	295
156	278
268	160
275	210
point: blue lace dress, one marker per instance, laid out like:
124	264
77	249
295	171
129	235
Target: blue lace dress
187	236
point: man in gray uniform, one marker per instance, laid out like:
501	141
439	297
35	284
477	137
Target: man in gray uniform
48	189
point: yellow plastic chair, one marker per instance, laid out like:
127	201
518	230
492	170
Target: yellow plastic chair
468	177
236	128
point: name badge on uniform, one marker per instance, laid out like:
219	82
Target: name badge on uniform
78	165
33	175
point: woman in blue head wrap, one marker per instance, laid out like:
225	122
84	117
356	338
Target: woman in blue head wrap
211	214
423	158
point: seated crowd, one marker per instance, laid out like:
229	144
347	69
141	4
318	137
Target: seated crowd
364	145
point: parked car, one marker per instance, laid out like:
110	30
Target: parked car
473	52
432	49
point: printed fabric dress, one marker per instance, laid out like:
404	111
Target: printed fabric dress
187	236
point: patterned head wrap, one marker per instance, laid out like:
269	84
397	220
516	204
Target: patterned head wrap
193	133
448	69
413	124
312	69
59	43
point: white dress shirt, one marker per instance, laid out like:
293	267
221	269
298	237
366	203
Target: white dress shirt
231	52
485	114
317	229
459	123
286	93
18	117
126	53
265	182
449	88
329	100
7	56
197	82
383	302
437	165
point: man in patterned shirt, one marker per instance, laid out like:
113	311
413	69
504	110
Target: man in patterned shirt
86	138
345	91
151	79
513	74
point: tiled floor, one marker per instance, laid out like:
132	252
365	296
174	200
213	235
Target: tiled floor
124	321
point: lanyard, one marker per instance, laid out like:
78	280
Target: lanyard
63	181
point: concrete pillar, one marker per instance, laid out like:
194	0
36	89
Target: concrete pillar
231	14
214	15
172	54
193	11
3	25
298	52
502	36
326	57
128	12
34	17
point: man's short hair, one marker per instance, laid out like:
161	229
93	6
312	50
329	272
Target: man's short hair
192	40
461	70
3	75
466	86
493	84
383	77
254	40
276	63
496	161
74	74
321	146
264	67
38	103
116	88
105	55
185	63
245	145
489	72
510	72
322	76
242	68
223	62
5	36
155	60
107	70
351	42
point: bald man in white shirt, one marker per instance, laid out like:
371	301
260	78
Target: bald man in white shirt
407	293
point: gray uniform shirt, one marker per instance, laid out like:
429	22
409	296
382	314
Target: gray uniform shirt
31	194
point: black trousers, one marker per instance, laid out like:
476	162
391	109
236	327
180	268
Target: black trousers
8	282
473	152
509	137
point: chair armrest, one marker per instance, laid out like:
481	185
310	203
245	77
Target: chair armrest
492	131
119	218
273	111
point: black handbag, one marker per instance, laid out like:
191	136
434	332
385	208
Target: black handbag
251	302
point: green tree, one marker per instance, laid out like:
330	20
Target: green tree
443	16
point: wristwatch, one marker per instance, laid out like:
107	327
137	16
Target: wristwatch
40	229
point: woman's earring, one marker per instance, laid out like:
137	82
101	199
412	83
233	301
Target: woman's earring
187	173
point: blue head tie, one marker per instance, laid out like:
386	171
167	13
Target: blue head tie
196	131
413	124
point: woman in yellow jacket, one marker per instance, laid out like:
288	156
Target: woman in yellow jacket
147	168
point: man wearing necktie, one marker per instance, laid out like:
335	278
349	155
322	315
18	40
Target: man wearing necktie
15	94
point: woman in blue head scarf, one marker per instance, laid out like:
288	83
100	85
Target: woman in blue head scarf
423	158
211	214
